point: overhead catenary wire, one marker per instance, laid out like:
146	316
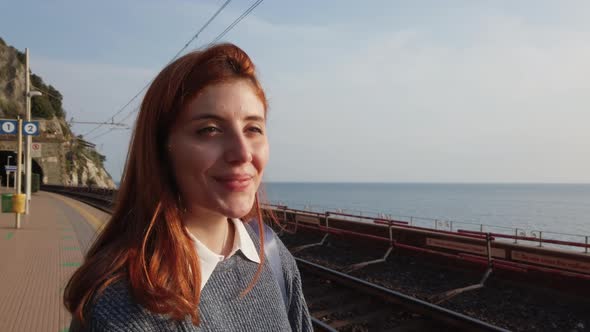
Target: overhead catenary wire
173	58
216	39
121	121
106	132
130	114
201	30
95	122
100	135
236	21
228	29
112	123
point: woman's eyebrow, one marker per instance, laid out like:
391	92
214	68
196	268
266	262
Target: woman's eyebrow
207	116
254	118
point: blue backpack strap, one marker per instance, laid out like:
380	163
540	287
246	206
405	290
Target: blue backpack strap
271	251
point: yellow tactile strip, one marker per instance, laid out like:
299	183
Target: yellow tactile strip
37	260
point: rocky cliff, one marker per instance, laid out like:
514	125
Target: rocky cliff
66	158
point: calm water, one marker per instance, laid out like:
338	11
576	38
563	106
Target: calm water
563	208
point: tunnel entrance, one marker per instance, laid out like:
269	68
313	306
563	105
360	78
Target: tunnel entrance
8	158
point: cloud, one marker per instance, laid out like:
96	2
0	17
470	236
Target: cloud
510	104
499	97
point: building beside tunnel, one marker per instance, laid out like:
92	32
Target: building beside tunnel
58	157
48	160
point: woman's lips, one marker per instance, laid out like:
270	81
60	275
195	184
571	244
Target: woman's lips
240	183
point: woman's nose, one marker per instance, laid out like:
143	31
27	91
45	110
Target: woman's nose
237	149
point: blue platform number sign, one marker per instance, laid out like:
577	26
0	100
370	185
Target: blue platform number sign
31	128
8	127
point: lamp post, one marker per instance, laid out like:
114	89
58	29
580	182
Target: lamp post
28	161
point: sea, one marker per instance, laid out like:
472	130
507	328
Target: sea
559	211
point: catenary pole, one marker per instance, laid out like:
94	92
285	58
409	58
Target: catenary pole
28	160
19	157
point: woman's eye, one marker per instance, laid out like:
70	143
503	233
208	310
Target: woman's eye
256	130
208	131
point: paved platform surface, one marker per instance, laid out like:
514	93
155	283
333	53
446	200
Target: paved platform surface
37	260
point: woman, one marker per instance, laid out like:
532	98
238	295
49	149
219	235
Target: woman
175	255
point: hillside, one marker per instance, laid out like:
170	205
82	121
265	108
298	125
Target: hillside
79	163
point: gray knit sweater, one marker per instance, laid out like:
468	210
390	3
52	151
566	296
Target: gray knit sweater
221	308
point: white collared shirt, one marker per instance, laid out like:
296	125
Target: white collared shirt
209	260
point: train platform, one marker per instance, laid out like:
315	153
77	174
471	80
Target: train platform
37	259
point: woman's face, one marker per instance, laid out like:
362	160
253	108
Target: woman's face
218	149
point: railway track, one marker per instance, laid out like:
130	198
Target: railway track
101	202
340	302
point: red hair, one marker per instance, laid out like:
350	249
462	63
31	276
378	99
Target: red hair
145	241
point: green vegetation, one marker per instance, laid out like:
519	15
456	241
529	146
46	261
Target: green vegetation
69	162
55	98
80	171
41	108
20	56
66	130
97	158
49	104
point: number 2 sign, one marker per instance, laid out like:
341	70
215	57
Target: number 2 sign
31	128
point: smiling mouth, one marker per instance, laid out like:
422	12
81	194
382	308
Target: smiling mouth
238	183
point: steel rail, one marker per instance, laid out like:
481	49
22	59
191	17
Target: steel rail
446	317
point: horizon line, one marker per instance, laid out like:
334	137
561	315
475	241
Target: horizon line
423	182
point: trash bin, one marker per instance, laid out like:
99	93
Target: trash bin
6	202
35	182
18	203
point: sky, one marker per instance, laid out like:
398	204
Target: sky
359	91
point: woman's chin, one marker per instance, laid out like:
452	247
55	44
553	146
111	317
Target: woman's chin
235	214
237	209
